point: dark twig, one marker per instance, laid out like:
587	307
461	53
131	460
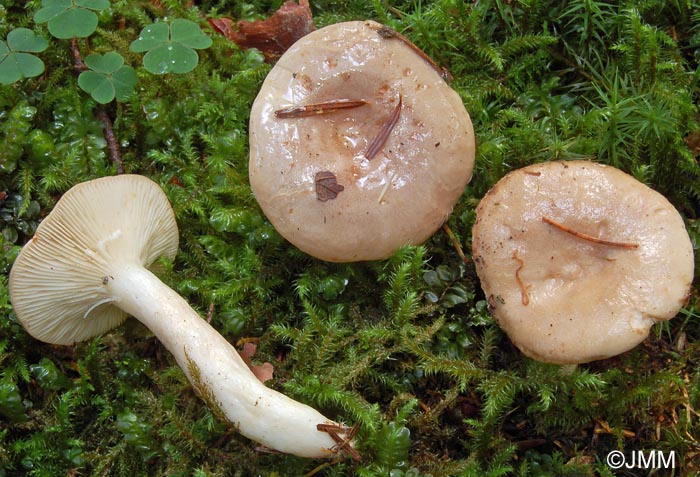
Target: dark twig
267	450
388	32
112	143
78	63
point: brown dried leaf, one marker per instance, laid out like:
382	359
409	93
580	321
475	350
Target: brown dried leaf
327	187
274	35
692	140
263	372
223	26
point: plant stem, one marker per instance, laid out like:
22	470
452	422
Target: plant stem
112	142
78	63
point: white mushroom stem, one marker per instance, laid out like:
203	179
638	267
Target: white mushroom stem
216	370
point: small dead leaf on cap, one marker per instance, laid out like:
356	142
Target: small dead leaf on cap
327	187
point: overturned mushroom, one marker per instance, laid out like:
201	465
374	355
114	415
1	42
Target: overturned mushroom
86	269
358	146
578	260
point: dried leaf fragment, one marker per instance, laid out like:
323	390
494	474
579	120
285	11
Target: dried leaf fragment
263	372
223	25
273	35
327	187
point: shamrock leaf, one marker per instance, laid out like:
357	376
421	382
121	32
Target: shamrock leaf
70	18
107	77
170	48
107	63
16	61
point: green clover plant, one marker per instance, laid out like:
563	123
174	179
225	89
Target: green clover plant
70	18
107	78
171	47
16	60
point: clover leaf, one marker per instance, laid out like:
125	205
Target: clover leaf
16	60
107	78
70	18
170	47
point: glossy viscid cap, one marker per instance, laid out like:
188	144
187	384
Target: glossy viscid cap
322	179
578	260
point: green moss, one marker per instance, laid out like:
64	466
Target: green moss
405	347
204	391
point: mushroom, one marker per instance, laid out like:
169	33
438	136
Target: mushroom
358	146
578	260
86	269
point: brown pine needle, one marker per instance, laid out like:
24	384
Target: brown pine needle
455	242
319	108
379	140
388	32
319	468
267	450
523	289
590	238
343	444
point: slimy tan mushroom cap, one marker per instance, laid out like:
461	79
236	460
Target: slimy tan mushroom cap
578	260
321	179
